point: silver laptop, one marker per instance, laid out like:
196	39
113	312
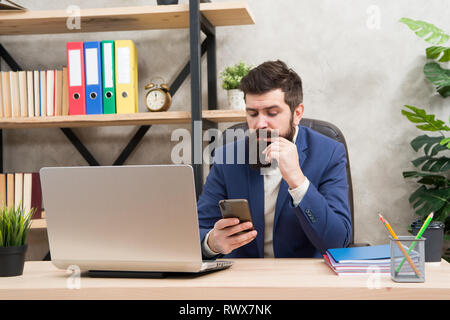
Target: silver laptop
124	218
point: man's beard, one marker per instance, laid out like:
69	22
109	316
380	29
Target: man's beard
257	144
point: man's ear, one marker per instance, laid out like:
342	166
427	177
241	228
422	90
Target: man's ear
298	113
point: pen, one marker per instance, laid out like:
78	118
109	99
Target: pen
391	231
418	236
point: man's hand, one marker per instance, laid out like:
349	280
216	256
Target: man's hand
285	152
223	238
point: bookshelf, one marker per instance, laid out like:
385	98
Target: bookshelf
153	118
124	18
198	17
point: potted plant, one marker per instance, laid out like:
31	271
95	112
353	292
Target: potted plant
433	195
231	79
15	224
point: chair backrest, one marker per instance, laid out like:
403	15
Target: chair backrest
329	130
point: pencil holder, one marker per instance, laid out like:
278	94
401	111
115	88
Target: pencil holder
407	259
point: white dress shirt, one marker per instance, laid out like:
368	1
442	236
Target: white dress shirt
272	182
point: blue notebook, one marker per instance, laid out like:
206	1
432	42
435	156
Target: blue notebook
343	255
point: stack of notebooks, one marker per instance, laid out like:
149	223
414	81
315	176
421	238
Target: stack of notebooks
359	260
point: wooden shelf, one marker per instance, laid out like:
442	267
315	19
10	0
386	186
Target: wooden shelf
38	224
224	115
123	18
143	118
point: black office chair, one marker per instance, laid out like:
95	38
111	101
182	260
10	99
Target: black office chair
329	130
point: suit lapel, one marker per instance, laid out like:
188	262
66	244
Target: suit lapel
283	193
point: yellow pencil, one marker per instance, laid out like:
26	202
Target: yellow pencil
391	231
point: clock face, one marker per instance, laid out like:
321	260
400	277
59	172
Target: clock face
156	99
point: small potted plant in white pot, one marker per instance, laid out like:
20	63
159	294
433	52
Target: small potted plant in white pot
15	224
231	79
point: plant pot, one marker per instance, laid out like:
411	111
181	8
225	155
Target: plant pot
12	260
236	99
446	250
434	235
164	2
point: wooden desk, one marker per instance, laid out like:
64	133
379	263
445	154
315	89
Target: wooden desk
248	279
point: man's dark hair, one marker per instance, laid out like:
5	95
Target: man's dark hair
272	75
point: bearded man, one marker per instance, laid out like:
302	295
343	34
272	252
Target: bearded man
298	192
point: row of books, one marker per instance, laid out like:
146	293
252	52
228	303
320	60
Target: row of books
38	93
21	188
103	77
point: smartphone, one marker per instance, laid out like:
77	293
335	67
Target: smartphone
236	208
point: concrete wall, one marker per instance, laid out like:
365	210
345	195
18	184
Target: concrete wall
359	66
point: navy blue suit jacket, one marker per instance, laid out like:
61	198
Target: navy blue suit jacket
321	221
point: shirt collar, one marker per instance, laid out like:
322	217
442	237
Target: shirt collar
295	135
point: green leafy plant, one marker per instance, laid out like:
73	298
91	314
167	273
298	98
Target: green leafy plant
427	31
15	225
433	166
434	193
437	75
233	75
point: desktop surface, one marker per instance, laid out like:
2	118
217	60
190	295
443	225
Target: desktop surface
275	279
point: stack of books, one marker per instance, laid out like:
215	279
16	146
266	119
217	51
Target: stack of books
359	260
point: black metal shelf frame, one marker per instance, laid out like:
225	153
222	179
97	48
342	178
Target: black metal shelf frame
197	23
